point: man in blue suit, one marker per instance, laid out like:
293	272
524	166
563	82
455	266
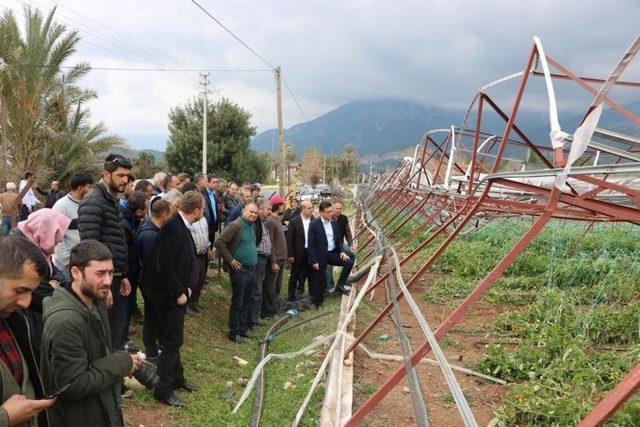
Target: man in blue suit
325	249
213	207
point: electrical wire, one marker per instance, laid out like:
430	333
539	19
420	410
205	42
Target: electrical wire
233	35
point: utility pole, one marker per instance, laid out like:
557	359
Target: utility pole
281	148
324	169
3	136
204	81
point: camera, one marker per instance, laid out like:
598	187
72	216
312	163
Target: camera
146	373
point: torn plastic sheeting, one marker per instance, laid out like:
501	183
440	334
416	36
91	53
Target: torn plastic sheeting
399	358
279	356
556	134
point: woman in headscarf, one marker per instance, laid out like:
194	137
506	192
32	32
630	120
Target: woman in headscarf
45	228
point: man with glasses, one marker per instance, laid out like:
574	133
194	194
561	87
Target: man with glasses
99	219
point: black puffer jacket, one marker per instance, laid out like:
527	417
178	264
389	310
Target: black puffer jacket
99	219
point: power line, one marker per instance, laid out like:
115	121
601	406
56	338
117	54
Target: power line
128	52
218	70
233	35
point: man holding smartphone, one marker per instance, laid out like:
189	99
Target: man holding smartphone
77	358
22	264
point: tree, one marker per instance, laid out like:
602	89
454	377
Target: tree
145	165
229	133
45	127
311	170
349	161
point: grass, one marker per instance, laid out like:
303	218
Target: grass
570	303
207	357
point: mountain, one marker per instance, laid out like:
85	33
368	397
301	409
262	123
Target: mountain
381	130
372	127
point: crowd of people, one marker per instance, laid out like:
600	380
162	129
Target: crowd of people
71	269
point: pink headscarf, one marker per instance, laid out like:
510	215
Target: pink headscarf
45	228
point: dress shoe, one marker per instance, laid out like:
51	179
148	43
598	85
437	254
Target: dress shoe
247	334
195	307
172	400
189	311
341	290
238	339
189	387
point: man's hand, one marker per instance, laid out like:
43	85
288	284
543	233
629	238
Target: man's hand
109	299
182	299
275	267
236	265
54	283
209	254
125	287
189	291
316	266
20	409
344	256
136	363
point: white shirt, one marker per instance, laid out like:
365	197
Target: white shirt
328	230
29	199
67	206
305	225
186	223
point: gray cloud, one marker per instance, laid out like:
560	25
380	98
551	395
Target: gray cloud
331	52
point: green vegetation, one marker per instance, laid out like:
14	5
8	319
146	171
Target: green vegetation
229	133
47	123
570	308
207	356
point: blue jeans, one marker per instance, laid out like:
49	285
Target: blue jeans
6	225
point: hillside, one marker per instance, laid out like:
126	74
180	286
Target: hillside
372	127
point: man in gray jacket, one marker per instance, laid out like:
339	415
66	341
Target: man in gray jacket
76	344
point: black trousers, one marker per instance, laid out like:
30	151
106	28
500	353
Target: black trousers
296	279
333	258
150	328
170	369
118	315
242	282
317	283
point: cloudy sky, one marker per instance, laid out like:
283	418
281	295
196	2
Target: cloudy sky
436	52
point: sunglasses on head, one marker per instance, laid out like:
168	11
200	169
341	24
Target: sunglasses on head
121	162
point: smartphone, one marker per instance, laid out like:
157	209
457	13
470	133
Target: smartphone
58	392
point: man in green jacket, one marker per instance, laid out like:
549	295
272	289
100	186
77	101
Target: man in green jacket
76	344
237	246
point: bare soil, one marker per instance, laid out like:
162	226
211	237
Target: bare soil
462	348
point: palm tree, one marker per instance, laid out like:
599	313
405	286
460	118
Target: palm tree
46	127
349	161
78	146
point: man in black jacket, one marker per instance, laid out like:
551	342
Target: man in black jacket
297	249
145	244
325	249
99	219
21	266
53	194
177	270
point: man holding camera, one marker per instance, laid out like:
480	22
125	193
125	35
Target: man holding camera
77	359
